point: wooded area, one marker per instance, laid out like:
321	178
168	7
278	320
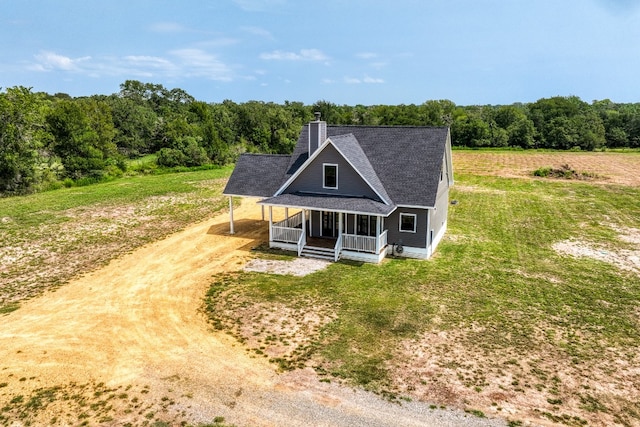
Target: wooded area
54	140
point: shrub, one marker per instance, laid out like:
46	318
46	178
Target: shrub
170	157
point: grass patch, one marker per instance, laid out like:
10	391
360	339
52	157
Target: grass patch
8	308
497	311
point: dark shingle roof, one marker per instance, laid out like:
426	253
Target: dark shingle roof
330	203
352	151
402	163
407	159
258	175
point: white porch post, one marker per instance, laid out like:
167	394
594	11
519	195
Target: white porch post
339	224
270	221
231	230
304	222
286	213
262	212
378	221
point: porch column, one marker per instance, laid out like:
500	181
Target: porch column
270	221
231	230
340	224
378	221
286	214
304	223
262	212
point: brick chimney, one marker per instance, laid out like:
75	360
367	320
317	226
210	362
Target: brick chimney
317	133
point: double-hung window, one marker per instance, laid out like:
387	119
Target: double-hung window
408	222
329	176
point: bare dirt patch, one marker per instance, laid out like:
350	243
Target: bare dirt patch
625	259
545	388
606	168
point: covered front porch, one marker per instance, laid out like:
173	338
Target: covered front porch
328	234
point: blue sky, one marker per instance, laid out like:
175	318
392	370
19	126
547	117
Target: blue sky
343	51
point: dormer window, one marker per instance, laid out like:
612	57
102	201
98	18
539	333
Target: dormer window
330	176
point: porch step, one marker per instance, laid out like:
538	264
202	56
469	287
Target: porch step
318	253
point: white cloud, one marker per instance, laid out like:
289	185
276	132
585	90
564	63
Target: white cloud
49	61
198	63
189	62
366	79
303	55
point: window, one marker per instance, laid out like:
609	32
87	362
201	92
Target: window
408	222
330	176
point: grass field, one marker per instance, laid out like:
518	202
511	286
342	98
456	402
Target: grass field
504	320
50	237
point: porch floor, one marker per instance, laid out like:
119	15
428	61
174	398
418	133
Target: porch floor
321	242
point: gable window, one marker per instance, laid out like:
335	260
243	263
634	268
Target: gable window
408	222
330	176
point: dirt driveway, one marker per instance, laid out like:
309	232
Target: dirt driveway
127	344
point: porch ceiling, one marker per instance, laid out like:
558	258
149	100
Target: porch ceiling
356	205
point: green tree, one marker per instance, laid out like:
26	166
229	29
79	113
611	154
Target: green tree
83	134
21	135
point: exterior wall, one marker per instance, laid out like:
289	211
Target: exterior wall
438	217
395	236
349	181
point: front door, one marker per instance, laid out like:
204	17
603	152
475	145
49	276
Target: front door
329	224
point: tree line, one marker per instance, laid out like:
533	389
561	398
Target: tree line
46	140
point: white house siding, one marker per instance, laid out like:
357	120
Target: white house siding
438	219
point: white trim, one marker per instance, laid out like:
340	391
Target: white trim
415	222
324	178
438	237
332	210
448	158
416	207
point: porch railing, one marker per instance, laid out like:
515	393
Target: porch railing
302	241
286	234
294	221
370	244
382	241
337	248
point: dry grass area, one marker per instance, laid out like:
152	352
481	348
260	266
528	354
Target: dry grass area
611	168
80	239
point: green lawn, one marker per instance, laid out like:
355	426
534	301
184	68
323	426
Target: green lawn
496	316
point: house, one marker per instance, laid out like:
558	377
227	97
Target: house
353	192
